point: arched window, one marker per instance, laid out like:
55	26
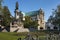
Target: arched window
55	28
41	28
48	28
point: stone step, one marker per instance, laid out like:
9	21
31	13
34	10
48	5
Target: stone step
23	30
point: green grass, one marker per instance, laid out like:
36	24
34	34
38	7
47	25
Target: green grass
15	36
9	36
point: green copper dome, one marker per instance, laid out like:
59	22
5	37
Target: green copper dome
32	13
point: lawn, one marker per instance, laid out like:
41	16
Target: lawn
15	36
9	36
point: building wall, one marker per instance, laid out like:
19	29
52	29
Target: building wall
41	22
50	26
16	28
40	19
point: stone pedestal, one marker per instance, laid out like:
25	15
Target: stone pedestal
18	28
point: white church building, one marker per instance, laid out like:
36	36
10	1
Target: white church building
50	26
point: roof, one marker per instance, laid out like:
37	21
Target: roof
32	13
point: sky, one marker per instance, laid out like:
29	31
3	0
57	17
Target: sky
33	5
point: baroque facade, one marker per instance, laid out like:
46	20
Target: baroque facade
41	21
50	26
39	17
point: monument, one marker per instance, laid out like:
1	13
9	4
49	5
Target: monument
17	24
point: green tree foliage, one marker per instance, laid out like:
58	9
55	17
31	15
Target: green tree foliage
1	4
56	17
1	11
50	19
27	21
6	16
30	23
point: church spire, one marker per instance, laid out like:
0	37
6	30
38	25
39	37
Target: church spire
41	11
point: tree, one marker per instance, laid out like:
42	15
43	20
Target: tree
6	16
50	19
27	21
1	12
56	17
1	4
30	23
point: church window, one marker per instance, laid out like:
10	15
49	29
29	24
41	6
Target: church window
55	28
41	28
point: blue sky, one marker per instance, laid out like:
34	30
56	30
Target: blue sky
33	5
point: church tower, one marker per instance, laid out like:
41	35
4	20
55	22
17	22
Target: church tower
41	21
